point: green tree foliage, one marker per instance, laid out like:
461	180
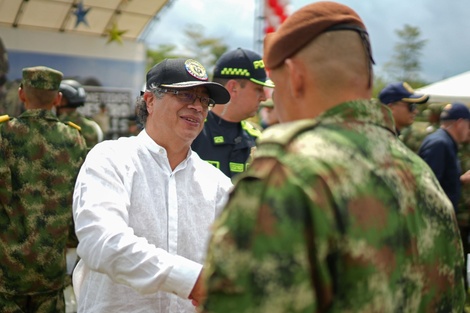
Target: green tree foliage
405	64
204	49
379	84
196	46
164	51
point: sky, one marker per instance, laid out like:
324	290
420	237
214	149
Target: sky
444	24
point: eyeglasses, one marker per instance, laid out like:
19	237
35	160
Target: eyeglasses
189	97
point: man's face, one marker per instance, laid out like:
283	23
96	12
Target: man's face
175	119
249	98
463	130
403	113
282	94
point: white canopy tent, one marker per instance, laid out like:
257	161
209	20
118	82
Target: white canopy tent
452	89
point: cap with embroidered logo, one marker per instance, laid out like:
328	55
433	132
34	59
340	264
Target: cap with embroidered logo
401	91
455	111
244	64
182	74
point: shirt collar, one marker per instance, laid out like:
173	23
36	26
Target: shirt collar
158	150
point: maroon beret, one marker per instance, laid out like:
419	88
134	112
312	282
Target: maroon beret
303	26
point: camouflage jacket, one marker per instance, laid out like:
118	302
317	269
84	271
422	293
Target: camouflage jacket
463	213
39	161
90	130
336	215
413	135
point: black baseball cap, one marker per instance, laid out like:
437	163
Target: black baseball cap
244	64
182	74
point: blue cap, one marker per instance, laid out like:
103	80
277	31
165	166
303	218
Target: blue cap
455	111
401	92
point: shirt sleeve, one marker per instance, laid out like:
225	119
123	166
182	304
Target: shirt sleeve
108	245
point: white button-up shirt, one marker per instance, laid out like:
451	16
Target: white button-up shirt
143	228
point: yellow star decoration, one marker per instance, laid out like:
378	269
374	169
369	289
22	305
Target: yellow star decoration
114	34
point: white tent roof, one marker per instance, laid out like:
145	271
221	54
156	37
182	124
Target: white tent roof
90	17
452	89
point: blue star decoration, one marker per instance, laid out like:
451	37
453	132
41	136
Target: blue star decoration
115	34
81	13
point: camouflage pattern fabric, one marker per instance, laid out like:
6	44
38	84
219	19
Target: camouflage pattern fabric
89	128
463	209
39	160
413	135
42	77
336	215
9	101
51	302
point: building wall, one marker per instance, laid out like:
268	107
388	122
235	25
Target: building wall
85	58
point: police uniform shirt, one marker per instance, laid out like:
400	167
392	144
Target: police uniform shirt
225	145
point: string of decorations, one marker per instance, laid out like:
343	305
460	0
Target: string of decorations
276	12
114	33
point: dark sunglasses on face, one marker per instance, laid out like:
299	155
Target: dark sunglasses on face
411	106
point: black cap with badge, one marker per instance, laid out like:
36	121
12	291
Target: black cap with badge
183	74
242	64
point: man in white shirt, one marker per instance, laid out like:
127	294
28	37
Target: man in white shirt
143	205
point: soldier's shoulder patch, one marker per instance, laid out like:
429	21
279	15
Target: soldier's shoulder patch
4	118
284	133
71	124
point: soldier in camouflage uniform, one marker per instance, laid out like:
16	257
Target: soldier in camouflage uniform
39	161
73	97
9	102
335	214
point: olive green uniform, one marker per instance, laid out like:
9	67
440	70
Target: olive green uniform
39	160
336	215
90	130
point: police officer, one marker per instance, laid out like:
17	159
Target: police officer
334	214
73	97
227	139
40	157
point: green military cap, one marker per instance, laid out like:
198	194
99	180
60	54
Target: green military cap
42	77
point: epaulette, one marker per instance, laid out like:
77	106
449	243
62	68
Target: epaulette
4	118
283	134
251	129
72	124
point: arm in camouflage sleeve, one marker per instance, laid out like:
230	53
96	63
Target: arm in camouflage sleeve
263	256
5	176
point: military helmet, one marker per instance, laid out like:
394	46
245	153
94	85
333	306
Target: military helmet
73	91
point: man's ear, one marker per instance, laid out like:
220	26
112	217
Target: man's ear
232	86
21	94
148	97
296	77
57	99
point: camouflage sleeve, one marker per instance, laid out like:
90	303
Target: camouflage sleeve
263	256
5	175
81	150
